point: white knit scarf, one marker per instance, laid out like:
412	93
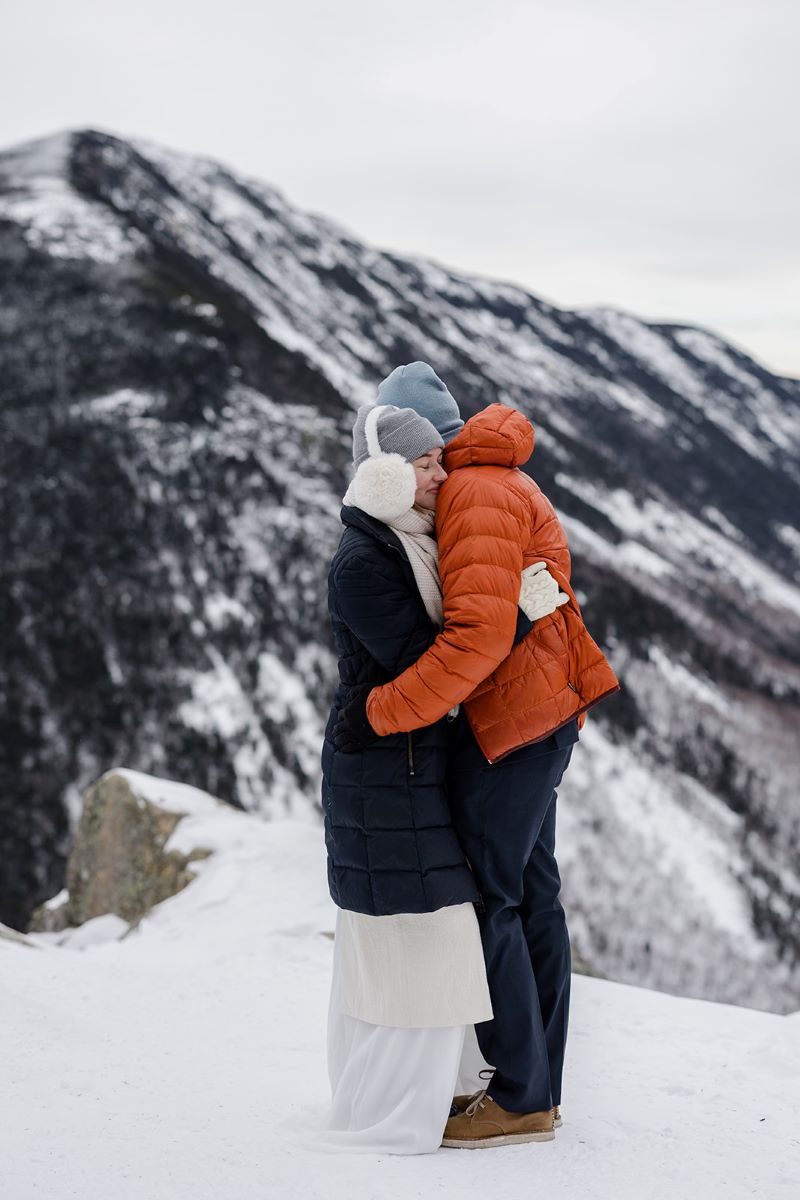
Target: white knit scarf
415	530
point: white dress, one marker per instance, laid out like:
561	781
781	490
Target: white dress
405	991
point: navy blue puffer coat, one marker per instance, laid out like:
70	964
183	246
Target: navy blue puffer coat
391	843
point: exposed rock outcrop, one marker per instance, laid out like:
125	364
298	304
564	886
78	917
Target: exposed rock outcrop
120	860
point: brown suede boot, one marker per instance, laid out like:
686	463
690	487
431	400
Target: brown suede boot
461	1102
484	1123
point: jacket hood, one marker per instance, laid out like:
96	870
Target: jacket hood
498	436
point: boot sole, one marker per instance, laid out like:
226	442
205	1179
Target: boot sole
506	1139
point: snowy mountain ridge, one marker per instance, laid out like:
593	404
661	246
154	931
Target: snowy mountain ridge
182	354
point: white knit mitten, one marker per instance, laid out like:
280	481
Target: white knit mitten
539	595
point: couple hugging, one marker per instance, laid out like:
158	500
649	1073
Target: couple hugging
465	672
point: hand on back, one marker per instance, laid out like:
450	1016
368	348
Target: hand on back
539	593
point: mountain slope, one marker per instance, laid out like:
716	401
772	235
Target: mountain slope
181	357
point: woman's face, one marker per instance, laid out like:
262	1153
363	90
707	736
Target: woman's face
430	476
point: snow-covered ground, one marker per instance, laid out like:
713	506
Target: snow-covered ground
179	1062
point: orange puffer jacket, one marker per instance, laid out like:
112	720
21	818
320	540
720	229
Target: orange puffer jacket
492	521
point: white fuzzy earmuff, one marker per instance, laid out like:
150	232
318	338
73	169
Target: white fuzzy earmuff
385	484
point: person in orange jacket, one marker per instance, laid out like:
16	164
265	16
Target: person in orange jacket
519	711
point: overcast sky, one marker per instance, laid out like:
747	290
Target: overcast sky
639	153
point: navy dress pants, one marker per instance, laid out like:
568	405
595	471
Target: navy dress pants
505	815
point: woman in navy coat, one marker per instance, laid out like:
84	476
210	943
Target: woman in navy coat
408	973
391	843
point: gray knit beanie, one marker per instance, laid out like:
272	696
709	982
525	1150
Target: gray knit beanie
400	431
416	385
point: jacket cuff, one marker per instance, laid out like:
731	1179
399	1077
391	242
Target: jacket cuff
373	713
524	626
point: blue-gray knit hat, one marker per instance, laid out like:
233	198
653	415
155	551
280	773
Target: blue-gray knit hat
399	431
416	385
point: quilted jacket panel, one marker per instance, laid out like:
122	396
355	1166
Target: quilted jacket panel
389	835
